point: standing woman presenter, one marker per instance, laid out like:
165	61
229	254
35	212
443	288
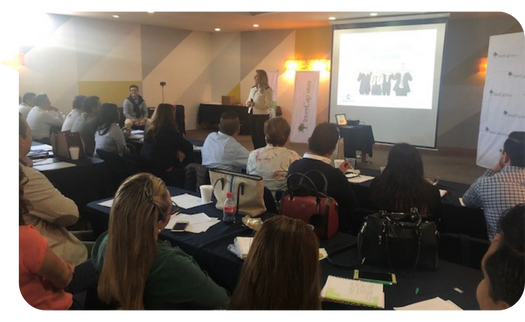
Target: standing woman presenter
260	104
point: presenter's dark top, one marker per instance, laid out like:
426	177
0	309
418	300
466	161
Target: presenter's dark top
338	188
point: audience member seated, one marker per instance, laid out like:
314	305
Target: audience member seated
27	103
74	114
282	270
85	123
272	161
137	271
503	265
135	109
321	145
42	274
165	150
503	186
108	135
221	149
42	118
51	212
402	184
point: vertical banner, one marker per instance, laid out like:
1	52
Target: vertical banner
304	110
503	96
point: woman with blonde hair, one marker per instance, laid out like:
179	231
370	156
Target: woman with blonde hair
281	271
260	104
137	271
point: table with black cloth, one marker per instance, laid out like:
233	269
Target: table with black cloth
357	137
210	250
211	113
88	180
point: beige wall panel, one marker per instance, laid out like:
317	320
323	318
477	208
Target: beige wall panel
226	70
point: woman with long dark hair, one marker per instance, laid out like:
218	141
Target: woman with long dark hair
282	270
108	136
402	184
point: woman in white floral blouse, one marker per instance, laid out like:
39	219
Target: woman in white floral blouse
272	161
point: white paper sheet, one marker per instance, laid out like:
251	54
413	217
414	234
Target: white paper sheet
360	179
197	222
53	166
442	192
436	303
41	147
107	203
187	201
353	291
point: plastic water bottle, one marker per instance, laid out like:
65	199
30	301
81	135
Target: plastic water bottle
228	212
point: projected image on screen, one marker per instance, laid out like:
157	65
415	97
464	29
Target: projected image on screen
387	69
387	75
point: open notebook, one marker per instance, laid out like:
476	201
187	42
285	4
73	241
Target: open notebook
353	292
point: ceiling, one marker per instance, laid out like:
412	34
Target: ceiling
236	20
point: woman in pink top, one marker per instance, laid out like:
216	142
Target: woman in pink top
42	274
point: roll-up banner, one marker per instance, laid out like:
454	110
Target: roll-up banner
304	110
273	77
502	109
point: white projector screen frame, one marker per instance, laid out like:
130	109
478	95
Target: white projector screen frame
409	54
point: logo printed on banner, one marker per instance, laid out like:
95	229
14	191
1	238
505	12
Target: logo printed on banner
502	108
304	106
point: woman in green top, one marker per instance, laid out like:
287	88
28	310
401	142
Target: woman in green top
137	271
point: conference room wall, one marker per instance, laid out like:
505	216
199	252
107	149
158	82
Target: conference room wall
201	67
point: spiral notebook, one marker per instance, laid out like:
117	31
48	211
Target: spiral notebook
353	292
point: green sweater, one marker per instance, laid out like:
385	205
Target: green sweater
175	281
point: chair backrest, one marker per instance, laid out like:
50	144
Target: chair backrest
116	165
180	118
195	175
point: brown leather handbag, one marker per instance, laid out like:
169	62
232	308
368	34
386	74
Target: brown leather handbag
62	141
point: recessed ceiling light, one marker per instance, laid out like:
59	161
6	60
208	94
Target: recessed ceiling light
217	29
150	11
255	25
331	18
115	16
373	14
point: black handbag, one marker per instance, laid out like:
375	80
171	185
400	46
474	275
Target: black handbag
398	241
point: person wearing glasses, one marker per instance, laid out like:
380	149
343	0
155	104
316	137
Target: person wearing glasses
501	187
138	271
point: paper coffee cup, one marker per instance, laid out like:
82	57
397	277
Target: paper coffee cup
74	152
337	162
351	161
206	192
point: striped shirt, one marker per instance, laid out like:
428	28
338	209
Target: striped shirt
496	192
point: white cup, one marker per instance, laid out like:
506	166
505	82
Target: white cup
351	161
206	191
74	152
337	162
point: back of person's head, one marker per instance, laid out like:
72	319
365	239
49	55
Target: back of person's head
229	123
77	102
323	139
405	160
22	126
281	271
514	146
140	203
89	104
28	97
277	131
40	100
504	264
162	118
107	115
23	203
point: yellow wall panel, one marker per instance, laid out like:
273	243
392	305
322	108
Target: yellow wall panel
108	91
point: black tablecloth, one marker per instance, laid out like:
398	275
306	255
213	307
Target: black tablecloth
211	113
88	180
210	250
357	137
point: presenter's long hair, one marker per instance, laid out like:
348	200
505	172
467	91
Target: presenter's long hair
163	118
281	271
263	79
139	204
402	184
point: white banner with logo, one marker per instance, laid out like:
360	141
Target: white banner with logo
502	109
304	110
273	77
